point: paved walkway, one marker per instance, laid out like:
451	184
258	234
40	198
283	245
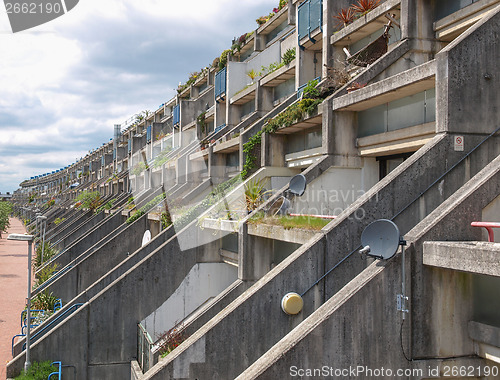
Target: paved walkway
13	278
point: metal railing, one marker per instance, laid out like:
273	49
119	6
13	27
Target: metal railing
219	128
144	348
177	114
58	373
220	83
300	90
310	18
52	323
52	279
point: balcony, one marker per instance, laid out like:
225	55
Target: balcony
458	16
220	84
367	24
310	22
177	115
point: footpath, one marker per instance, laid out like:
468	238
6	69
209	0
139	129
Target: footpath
13	289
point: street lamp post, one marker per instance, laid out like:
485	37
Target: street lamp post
29	239
43	224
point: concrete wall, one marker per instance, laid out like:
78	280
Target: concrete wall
434	334
95	262
468	70
203	282
73	231
236	71
103	325
335	190
266	324
87	241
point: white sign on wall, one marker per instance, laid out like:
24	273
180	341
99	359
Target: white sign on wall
459	143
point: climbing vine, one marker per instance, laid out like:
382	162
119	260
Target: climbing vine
310	100
146	208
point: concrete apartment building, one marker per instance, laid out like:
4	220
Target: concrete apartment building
402	126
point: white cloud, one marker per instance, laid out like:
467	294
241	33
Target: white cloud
65	83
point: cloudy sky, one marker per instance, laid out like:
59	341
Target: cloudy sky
64	84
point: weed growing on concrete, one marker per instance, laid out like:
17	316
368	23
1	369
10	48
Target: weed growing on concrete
38	371
171	339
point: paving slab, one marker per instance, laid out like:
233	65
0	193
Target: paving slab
13	279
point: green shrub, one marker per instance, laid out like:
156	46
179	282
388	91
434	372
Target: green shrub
146	208
289	56
38	371
5	210
89	200
48	253
44	301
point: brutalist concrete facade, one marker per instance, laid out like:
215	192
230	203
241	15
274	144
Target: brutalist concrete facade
411	138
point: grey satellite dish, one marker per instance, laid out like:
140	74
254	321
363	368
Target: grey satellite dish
297	185
146	238
279	207
380	239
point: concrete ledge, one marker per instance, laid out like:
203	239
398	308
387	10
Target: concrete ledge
228	146
487	339
484	333
407	83
451	26
472	257
279	76
367	24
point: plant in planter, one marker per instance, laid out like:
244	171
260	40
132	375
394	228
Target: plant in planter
344	17
289	56
171	339
223	58
89	200
255	194
365	6
200	121
252	74
355	86
38	371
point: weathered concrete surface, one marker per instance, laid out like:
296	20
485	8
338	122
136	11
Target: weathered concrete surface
93	237
106	346
95	262
471	257
358	326
433	334
468	70
484	333
221	356
82	228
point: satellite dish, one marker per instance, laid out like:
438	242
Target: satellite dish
380	239
297	185
146	238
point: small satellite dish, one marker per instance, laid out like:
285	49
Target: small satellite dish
146	238
380	239
279	207
297	185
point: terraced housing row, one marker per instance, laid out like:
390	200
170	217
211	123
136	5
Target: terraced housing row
389	112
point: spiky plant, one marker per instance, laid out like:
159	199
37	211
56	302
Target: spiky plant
344	17
365	6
